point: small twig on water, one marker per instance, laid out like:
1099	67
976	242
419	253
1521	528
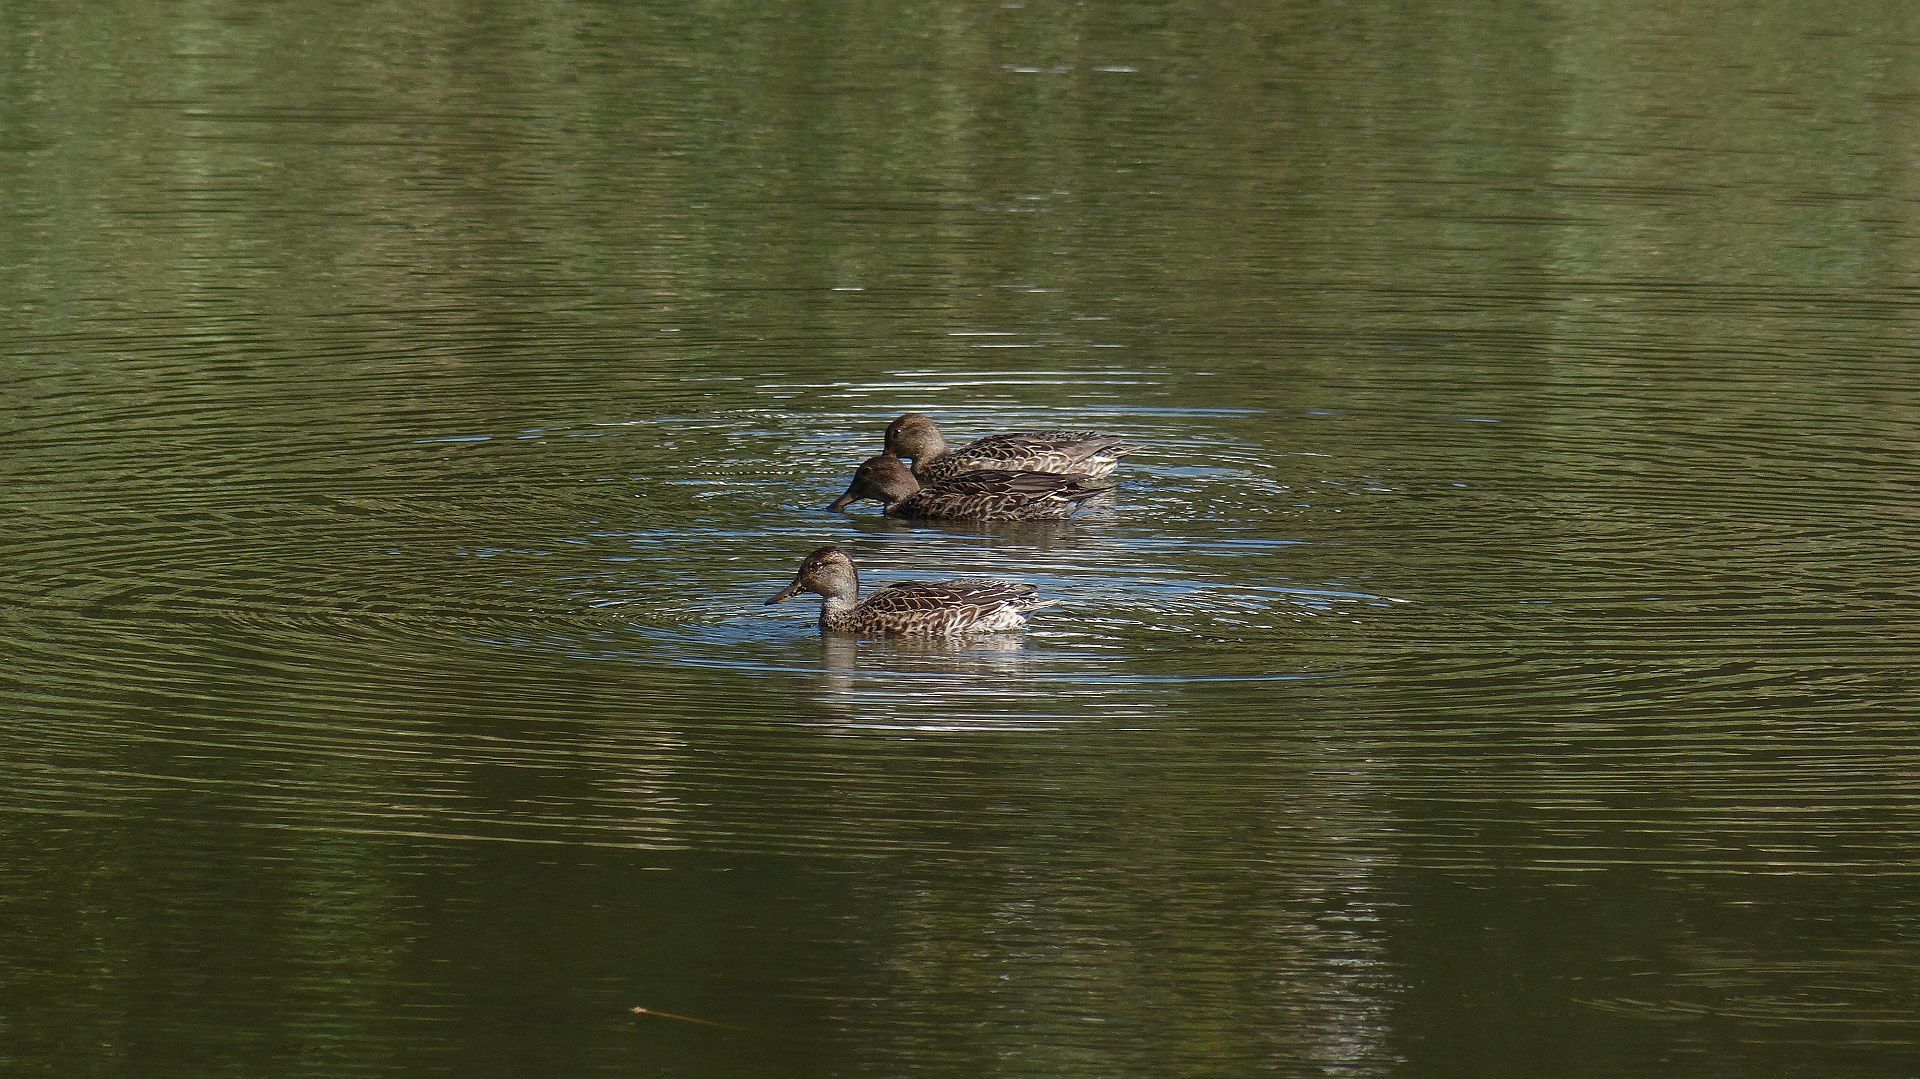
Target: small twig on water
658	1014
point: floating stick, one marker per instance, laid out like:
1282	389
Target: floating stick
658	1014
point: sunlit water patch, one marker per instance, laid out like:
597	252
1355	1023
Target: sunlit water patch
1183	575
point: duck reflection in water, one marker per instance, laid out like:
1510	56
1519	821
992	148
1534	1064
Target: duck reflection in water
957	682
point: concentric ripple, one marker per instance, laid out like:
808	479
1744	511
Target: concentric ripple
1503	641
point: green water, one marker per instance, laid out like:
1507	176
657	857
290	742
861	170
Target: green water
1500	662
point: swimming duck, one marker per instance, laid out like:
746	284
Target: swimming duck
917	438
983	495
912	608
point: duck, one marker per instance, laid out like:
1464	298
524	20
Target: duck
994	494
915	437
910	608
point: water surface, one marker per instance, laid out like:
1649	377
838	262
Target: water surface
1499	662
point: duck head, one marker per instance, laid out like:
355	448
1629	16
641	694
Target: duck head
915	437
826	572
885	479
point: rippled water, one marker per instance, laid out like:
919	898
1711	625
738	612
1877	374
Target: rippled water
1498	662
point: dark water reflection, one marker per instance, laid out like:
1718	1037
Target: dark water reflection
1501	663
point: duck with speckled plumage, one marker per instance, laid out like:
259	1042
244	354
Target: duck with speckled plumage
915	437
980	495
912	608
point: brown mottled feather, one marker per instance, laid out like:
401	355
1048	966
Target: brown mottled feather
1084	453
911	608
917	438
944	608
1000	495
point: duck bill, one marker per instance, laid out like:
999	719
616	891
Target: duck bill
843	501
785	594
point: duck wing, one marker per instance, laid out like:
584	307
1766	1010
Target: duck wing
1018	483
1046	451
923	595
948	607
1001	495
